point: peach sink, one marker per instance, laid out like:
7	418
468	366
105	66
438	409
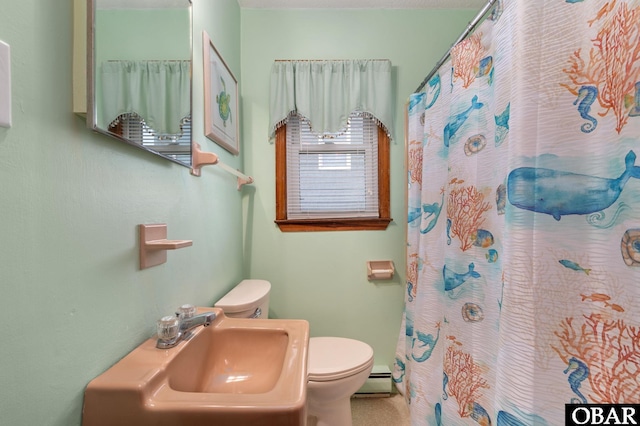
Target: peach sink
234	372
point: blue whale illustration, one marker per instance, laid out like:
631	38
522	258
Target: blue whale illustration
457	121
453	280
562	193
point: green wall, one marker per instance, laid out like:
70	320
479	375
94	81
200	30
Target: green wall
72	297
321	276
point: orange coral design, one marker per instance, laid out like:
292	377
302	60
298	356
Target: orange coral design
612	65
466	207
465	379
415	162
465	58
611	350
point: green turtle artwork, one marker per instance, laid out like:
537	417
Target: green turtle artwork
223	99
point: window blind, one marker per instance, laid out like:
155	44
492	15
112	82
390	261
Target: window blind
177	147
332	177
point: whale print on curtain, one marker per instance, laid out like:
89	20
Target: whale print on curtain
523	245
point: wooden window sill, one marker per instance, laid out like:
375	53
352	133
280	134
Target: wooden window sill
348	224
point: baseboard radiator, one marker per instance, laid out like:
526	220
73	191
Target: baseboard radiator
377	385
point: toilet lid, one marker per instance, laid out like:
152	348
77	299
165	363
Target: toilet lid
332	358
246	296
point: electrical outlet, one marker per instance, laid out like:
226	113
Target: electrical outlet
5	85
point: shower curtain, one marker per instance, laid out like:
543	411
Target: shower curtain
523	245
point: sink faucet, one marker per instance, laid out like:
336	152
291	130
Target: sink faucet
173	329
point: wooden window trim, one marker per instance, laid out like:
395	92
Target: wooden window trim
343	224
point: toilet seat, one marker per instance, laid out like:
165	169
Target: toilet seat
333	358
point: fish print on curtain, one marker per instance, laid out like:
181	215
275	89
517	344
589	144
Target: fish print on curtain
523	245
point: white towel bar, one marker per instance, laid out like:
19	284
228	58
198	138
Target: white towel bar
200	158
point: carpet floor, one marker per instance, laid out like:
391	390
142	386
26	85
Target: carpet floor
392	411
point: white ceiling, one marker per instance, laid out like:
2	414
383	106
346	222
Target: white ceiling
363	4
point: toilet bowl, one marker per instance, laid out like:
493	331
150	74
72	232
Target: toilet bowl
337	367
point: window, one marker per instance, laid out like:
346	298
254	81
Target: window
332	183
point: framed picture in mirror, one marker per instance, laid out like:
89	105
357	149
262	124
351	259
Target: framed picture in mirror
221	120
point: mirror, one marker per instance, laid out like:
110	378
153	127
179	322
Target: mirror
139	74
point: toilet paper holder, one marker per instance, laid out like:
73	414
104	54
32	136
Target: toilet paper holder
380	269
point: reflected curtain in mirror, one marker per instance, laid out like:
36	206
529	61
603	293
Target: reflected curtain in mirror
156	91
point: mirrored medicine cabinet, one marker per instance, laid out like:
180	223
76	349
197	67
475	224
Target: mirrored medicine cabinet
138	64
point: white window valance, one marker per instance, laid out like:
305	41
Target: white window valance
325	93
157	91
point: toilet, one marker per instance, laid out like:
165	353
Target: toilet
337	367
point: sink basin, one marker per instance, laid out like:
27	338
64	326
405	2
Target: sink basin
233	372
231	360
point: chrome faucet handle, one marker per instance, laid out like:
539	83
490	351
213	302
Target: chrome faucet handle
184	314
186	311
173	329
168	329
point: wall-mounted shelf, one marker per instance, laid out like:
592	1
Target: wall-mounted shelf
154	244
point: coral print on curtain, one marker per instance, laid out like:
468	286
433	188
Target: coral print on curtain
523	259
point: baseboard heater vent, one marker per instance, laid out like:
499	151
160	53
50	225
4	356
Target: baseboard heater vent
377	385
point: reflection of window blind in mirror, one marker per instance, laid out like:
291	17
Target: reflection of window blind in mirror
133	128
334	176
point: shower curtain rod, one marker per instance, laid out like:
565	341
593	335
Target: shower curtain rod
149	60
472	25
325	60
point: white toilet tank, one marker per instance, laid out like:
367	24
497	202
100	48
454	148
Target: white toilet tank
249	299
